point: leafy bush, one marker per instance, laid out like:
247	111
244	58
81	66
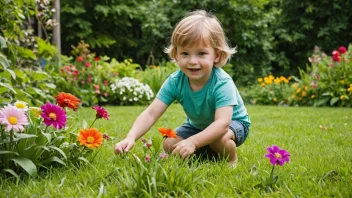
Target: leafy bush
327	81
269	90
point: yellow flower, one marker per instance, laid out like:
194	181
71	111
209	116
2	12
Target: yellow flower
274	99
313	96
306	87
271	77
21	105
350	89
277	80
130	59
342	97
263	84
260	80
304	93
298	90
267	80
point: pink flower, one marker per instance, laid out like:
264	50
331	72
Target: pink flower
106	136
163	155
53	115
101	112
336	56
89	78
80	59
87	64
147	158
13	118
106	94
342	49
277	156
144	140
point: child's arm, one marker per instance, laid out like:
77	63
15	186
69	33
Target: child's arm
141	125
214	131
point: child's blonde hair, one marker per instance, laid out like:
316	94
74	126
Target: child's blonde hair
200	26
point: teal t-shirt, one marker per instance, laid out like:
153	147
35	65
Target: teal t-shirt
200	106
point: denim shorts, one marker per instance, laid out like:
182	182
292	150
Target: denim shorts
240	130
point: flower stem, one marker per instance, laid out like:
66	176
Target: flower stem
45	129
92	123
271	176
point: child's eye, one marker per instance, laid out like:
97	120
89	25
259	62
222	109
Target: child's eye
184	53
202	53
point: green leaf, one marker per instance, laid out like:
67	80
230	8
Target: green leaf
50	85
12	173
26	53
2	43
13	74
8	152
20	136
27	165
39	76
54	159
3	90
4	62
8	86
334	100
59	150
19	73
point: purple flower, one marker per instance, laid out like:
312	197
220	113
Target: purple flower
277	156
53	115
101	112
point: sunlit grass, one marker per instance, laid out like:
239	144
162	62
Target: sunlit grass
320	160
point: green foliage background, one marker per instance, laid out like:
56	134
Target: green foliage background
271	36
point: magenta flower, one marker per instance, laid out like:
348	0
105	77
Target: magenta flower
13	118
101	112
277	156
53	115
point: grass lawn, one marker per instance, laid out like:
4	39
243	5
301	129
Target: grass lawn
321	160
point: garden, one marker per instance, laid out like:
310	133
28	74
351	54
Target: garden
64	107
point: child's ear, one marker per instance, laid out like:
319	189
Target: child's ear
217	57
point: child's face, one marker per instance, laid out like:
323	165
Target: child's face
196	62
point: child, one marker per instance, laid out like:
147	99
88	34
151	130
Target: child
216	115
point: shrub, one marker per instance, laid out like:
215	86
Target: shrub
269	90
327	81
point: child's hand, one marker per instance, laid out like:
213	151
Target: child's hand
184	148
124	146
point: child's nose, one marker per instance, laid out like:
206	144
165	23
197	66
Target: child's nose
192	59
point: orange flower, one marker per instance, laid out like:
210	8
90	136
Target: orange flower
67	100
167	132
90	138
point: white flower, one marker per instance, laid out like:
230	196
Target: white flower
21	106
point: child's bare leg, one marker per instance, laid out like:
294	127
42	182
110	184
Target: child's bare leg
226	146
169	142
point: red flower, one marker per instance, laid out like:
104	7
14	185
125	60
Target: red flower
101	112
67	100
87	64
342	49
80	59
97	58
106	82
